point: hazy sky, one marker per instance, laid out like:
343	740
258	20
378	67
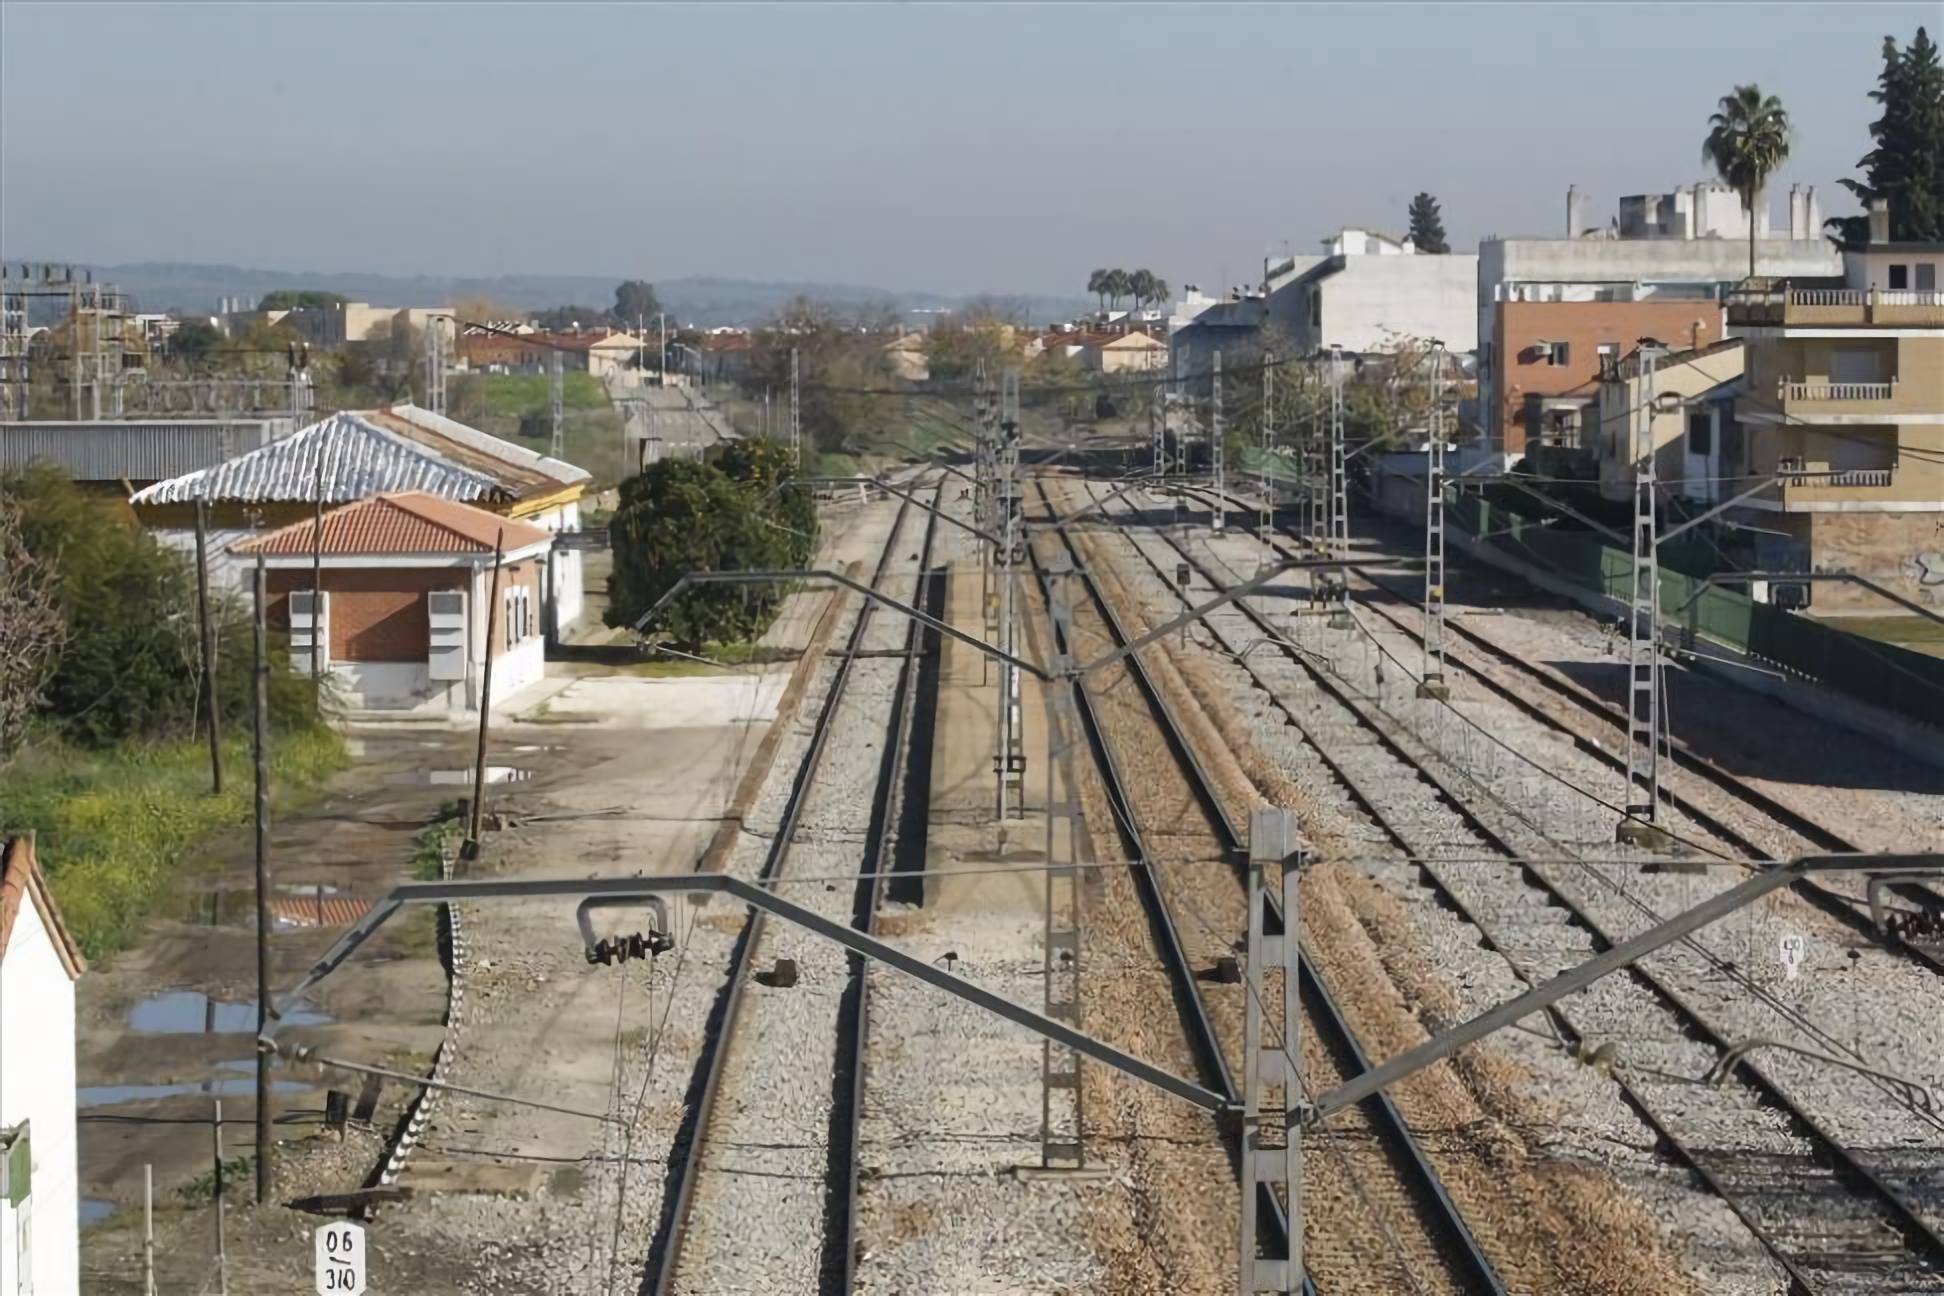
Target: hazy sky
959	148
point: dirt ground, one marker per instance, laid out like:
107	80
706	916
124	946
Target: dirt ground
603	771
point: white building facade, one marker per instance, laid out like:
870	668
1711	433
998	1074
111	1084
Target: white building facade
39	963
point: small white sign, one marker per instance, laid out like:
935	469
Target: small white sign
341	1259
1792	949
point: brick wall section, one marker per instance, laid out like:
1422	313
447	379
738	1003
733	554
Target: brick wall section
379	614
1518	372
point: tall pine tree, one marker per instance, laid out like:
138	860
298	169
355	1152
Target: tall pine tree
1907	165
1427	227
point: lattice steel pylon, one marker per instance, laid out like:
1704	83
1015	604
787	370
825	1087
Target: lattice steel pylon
1062	1129
1641	823
1265	528
1217	449
1432	682
556	384
796	407
1009	759
1316	487
1337	582
435	364
1158	426
1272	1091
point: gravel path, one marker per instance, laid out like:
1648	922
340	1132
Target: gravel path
759	1218
1860	1119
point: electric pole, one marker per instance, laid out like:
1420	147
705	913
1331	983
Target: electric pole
1641	825
1272	1089
435	364
208	639
260	672
1432	684
796	409
1265	528
1217	448
1338	581
556	384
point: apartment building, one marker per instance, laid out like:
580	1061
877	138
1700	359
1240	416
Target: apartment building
1844	405
1551	310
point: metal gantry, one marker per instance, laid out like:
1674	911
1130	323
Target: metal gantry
1265	525
796	407
1432	682
1158	397
1336	588
1062	1136
435	363
1641	823
1009	760
556	392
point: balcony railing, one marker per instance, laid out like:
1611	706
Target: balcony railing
1846	391
1794	472
1771	302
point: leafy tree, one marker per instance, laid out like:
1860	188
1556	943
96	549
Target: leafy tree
128	667
635	301
1427	225
193	340
300	298
31	628
680	516
1906	166
981	330
841	363
1748	139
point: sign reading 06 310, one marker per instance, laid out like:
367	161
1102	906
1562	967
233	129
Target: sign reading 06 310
341	1259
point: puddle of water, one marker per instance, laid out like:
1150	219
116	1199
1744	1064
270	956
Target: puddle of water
94	1210
115	1095
191	1012
456	777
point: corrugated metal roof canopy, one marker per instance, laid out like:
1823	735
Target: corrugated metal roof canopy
366	452
405	522
133	450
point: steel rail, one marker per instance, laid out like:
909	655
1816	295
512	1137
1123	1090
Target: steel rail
1901	1217
842	1243
1469	1263
1846	909
685	1157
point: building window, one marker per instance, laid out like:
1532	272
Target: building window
519	616
1700	432
1927	276
1559	353
1899	277
1316	308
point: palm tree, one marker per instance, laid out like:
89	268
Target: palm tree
1748	139
1097	285
1141	284
1119	284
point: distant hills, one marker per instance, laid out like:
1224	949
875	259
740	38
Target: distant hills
704	300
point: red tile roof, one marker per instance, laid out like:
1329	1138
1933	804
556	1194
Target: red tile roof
403	522
21	881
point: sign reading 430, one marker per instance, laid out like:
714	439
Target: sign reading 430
341	1259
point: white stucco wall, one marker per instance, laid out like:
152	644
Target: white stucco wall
37	1085
568	587
1373	303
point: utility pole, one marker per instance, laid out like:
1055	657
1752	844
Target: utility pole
261	744
796	412
469	850
1272	1142
1157	426
222	1204
317	581
1338	582
207	636
1641	825
1010	762
556	385
1266	526
435	364
1315	476
1432	684
1217	449
148	1229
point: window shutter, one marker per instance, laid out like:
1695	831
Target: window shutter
20	1167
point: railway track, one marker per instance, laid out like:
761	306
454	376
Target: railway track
1400	1176
749	1200
1602	734
1848	1221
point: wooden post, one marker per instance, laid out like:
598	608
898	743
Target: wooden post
208	637
148	1230
261	745
222	1250
470	849
317	584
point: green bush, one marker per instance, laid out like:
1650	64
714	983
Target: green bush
113	825
737	513
130	666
